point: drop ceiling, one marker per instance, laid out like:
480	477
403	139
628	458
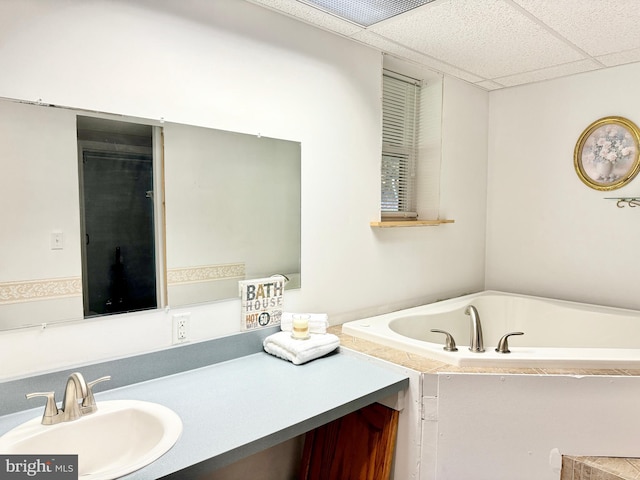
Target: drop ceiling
494	43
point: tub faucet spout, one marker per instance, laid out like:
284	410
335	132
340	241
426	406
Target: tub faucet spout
476	343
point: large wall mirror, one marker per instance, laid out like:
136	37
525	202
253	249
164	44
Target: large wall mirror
99	210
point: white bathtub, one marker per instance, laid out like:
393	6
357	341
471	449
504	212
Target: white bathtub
557	334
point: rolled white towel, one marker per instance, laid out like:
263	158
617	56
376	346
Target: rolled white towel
300	351
318	322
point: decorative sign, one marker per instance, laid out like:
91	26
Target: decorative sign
262	301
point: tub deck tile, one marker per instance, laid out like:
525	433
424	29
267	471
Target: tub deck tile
414	361
630	372
428	365
600	468
585	371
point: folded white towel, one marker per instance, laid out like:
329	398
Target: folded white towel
300	351
318	322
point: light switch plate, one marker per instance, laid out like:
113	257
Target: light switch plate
57	241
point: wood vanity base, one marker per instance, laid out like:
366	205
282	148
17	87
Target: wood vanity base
358	446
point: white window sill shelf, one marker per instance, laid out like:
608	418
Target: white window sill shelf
409	223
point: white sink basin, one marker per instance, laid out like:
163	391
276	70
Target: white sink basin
121	437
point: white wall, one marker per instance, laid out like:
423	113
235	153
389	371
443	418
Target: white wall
548	233
232	65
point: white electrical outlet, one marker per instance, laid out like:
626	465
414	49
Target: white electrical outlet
181	327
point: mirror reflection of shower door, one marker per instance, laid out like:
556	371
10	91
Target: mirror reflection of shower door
119	239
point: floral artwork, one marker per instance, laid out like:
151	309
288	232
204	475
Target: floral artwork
606	156
608	152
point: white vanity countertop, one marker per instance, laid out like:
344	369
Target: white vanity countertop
239	407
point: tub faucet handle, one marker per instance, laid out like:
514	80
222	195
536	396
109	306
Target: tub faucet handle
503	344
450	343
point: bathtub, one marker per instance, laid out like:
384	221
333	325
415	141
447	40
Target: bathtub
557	333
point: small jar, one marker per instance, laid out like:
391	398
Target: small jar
300	327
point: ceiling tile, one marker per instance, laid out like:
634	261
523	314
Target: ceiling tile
478	36
388	46
598	27
496	43
311	15
489	85
548	73
620	58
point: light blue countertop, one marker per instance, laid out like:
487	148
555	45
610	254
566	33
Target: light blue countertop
241	406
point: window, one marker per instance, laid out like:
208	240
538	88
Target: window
400	144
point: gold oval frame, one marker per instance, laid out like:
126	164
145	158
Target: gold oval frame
625	168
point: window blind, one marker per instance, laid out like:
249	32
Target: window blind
400	140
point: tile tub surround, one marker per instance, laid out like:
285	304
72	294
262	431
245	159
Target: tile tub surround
573	467
228	391
600	468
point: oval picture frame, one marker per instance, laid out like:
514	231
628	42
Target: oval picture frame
607	155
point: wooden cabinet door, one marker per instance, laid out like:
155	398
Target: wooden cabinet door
358	446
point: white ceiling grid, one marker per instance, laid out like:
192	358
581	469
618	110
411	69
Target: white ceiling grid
496	43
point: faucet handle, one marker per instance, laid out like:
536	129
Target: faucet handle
450	343
503	344
101	379
50	409
89	402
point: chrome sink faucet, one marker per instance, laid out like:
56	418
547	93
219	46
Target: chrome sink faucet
76	390
78	400
476	344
